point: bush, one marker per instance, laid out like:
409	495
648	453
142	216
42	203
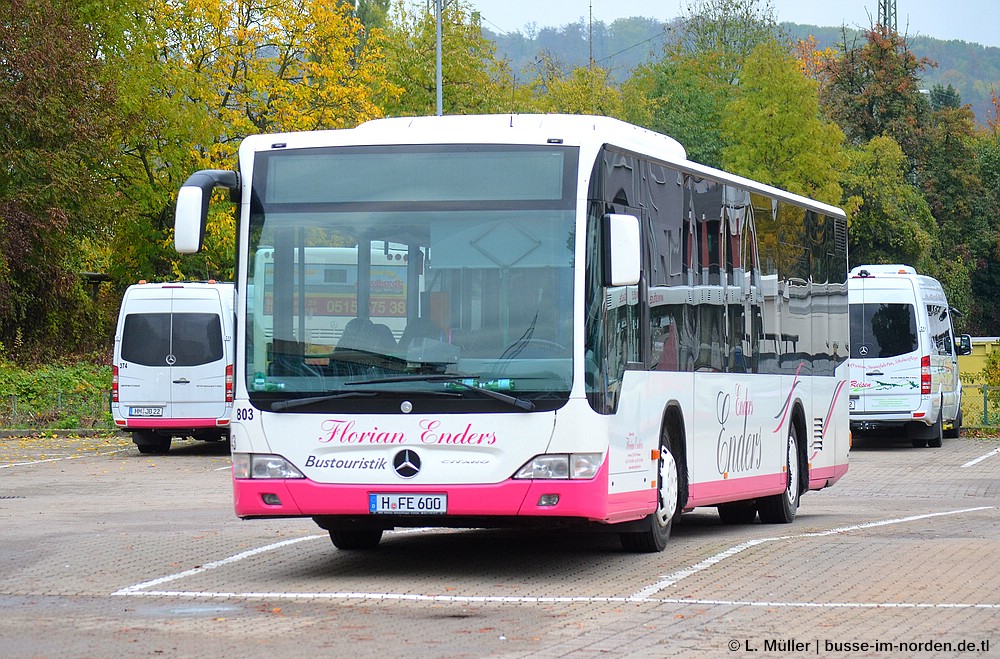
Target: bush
55	397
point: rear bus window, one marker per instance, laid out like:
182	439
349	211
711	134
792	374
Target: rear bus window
192	338
885	330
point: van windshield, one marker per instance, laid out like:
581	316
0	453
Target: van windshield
880	330
172	339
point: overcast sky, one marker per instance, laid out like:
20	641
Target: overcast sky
976	21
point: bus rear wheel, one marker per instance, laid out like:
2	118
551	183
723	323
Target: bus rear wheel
355	538
781	508
654	538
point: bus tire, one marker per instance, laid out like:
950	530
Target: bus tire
149	442
355	538
654	538
781	508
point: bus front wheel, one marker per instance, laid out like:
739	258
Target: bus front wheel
654	538
355	538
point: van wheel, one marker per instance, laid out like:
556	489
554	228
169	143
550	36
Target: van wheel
781	508
668	494
355	538
936	438
151	443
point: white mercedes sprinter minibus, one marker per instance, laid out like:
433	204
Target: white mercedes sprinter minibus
904	355
172	374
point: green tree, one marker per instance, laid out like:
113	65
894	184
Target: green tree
685	93
774	132
942	97
684	97
984	315
890	221
55	191
949	177
474	81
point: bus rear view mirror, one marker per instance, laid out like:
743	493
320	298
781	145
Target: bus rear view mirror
964	344
622	250
191	214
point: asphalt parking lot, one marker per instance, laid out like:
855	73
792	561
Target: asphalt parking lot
106	552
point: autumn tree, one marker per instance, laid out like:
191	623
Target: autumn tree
219	70
56	145
874	90
583	90
774	132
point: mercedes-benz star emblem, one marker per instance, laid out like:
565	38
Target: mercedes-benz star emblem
406	463
863	350
171	360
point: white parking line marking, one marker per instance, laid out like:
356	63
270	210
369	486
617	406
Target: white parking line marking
130	590
35	462
981	458
643	596
671	579
511	599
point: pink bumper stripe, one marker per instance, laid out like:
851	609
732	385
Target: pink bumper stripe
173	423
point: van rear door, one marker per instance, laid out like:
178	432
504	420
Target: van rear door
885	352
198	372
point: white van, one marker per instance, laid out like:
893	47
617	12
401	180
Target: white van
173	363
904	357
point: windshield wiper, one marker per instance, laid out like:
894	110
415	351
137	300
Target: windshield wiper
300	402
459	380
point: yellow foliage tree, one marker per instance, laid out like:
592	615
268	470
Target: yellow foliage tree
585	90
231	68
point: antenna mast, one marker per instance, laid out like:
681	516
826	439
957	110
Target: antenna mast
887	14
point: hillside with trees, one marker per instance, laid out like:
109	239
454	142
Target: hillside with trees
971	69
108	107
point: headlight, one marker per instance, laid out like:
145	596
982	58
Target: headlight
253	465
561	466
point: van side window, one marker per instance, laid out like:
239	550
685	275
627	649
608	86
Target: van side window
192	338
940	329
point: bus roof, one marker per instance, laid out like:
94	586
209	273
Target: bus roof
574	130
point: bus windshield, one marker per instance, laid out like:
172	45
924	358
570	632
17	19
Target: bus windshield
372	270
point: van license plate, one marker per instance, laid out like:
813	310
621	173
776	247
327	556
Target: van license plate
145	411
408	504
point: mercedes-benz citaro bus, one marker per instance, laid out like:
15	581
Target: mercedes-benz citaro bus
516	320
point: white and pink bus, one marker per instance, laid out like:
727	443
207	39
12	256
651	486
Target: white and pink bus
552	320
